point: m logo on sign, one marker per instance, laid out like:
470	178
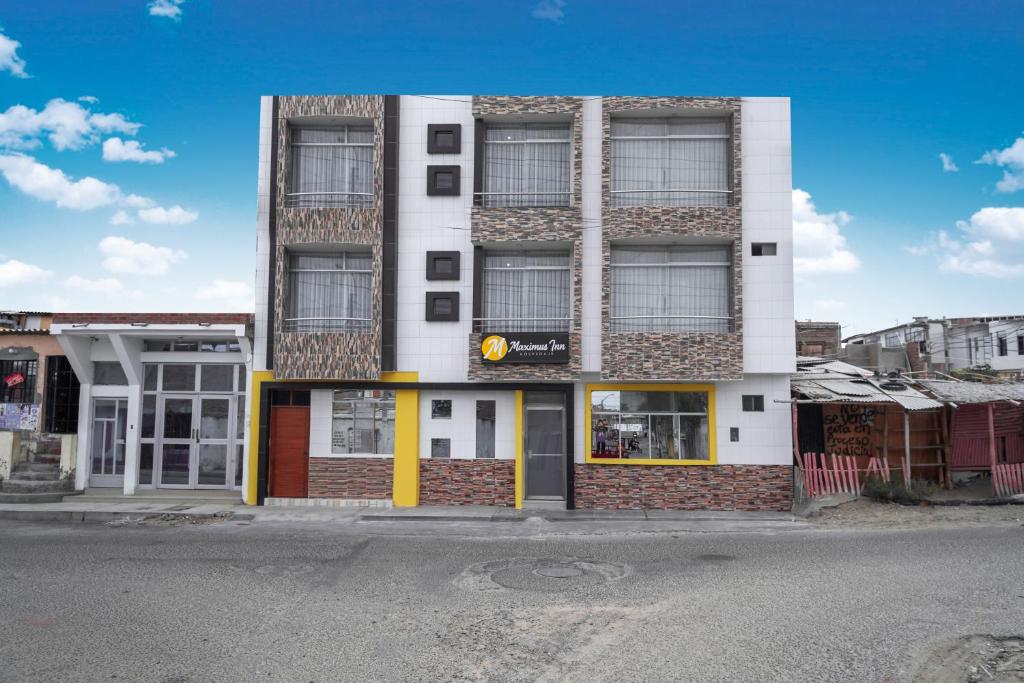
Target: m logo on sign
494	347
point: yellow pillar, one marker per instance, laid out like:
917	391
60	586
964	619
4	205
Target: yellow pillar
406	475
519	449
258	377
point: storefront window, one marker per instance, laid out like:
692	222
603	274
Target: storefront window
649	425
363	422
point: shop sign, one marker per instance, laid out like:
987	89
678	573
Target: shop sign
14	380
525	347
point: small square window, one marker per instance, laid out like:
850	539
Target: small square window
440	448
443	181
444	138
442	265
753	403
763	249
734	433
442	306
441	409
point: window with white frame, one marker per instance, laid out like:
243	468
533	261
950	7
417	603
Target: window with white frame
675	161
892	340
363	422
329	292
527	165
675	288
527	291
331	167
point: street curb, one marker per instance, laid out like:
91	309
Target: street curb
102	517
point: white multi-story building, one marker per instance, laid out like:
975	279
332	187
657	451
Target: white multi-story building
551	301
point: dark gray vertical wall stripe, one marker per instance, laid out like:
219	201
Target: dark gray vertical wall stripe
478	161
478	287
272	274
389	272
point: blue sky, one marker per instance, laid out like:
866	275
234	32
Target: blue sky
878	91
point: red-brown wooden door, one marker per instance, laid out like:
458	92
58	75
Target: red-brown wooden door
289	451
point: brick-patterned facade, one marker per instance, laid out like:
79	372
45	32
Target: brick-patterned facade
560	225
673	355
328	355
468	482
351	478
759	488
817	339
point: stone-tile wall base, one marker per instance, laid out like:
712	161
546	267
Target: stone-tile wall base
468	482
763	488
350	478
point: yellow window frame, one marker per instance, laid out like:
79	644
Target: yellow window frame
708	389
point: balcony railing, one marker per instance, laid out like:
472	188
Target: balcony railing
328	200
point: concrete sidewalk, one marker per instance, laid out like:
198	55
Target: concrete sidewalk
372	519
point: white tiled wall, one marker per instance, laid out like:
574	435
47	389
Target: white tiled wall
591	241
461	428
769	343
765	438
437	350
259	346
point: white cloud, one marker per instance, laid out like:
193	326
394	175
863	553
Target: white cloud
51	184
121	217
550	10
138	202
172	216
14	272
105	285
1011	160
68	125
170	9
88	99
948	165
122	255
229	295
990	244
818	244
9	59
116	149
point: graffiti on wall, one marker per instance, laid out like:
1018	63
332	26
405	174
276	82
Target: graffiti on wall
23	416
848	430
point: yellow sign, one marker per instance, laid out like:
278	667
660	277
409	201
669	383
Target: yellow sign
494	347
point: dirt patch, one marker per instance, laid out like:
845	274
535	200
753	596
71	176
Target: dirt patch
865	513
975	658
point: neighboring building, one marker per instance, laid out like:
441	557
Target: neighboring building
945	344
818	339
163	400
525	301
38	390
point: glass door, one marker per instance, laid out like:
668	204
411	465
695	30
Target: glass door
545	446
109	416
212	442
177	437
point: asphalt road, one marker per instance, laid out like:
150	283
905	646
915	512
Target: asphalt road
232	602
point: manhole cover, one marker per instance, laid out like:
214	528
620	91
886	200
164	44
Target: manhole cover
520	573
558	572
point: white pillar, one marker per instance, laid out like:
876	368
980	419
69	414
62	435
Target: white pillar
593	260
83	462
129	354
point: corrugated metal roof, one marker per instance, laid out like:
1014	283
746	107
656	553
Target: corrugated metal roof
973	392
838	382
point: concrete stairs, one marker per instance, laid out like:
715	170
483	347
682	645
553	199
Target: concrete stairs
35	482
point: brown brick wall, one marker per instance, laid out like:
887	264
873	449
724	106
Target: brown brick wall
468	482
328	355
763	488
664	355
352	478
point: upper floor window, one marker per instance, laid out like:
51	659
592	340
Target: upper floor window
527	165
527	291
329	292
893	340
673	161
331	167
677	288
